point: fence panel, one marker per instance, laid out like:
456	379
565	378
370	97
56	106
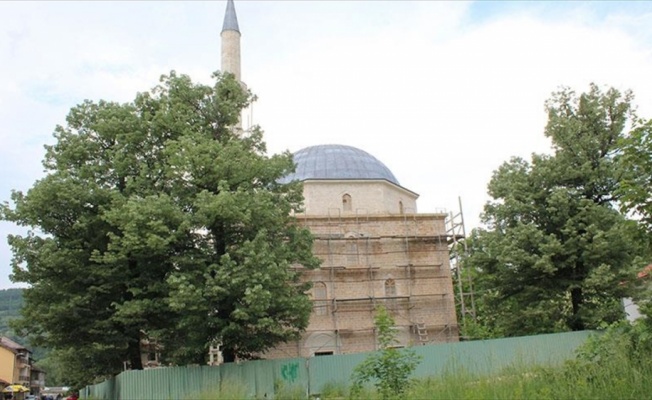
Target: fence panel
332	370
263	378
490	356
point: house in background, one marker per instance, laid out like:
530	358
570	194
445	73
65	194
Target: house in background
37	380
631	308
16	366
14	362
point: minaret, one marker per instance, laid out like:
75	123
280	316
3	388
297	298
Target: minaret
231	42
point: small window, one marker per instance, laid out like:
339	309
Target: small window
400	207
390	293
346	203
323	353
320	304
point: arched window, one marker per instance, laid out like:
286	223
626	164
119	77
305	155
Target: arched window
390	293
346	203
400	207
319	295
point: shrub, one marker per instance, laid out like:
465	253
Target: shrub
388	368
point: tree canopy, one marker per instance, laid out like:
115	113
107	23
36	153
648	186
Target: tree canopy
159	221
556	250
636	199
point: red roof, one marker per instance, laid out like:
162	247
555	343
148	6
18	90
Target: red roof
645	272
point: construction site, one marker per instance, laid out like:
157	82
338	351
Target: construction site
399	260
375	248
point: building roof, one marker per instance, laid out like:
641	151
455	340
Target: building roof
10	344
338	162
645	272
34	368
230	18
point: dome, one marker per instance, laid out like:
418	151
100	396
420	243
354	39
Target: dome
334	161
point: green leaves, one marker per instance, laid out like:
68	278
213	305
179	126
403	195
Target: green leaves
159	219
388	368
556	249
635	187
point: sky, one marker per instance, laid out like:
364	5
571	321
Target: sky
441	92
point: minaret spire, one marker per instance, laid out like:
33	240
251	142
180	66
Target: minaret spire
231	41
230	18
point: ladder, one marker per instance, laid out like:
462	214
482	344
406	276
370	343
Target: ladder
422	331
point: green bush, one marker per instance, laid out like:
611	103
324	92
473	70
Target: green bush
388	368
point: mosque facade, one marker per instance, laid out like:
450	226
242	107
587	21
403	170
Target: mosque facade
376	249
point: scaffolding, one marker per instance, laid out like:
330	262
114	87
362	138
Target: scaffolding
456	234
369	252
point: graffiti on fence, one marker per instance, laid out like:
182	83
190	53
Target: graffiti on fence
290	372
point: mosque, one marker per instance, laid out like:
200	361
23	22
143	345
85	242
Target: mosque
376	249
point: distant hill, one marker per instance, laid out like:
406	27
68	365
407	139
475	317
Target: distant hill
11	301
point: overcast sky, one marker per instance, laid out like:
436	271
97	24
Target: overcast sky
441	92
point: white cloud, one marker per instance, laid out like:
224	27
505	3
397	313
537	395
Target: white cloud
438	95
443	114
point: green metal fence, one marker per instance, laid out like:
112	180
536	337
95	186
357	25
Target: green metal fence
262	377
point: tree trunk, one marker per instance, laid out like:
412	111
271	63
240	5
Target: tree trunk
134	353
219	242
576	323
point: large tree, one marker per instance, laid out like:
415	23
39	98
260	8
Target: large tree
157	220
636	187
635	190
555	249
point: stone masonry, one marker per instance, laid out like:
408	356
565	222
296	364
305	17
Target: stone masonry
399	261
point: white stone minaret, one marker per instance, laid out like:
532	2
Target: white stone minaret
231	42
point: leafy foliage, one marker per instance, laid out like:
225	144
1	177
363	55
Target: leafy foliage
556	249
389	368
157	220
635	188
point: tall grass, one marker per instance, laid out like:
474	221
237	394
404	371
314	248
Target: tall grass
619	381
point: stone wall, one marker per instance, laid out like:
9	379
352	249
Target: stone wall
399	261
367	197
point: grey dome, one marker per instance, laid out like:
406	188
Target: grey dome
334	161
